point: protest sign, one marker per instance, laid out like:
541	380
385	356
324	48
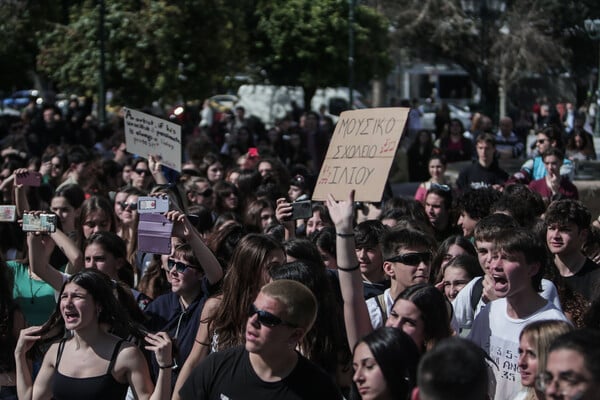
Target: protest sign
360	154
146	134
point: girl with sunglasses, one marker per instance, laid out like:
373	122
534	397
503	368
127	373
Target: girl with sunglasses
194	274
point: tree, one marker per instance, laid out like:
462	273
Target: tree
170	50
18	48
516	43
305	42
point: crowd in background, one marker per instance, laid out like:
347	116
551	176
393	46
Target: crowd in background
495	257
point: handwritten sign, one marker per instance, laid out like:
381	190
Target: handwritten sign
146	134
360	153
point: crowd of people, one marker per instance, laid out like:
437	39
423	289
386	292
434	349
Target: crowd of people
483	287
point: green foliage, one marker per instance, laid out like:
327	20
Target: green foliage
161	49
306	42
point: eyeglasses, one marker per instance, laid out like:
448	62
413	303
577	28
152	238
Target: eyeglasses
540	141
412	259
206	193
132	206
444	188
56	166
141	171
267	319
566	380
180	267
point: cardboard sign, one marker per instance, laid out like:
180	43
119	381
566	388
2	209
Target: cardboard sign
146	134
360	154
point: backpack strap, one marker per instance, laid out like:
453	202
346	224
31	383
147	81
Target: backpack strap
380	299
476	293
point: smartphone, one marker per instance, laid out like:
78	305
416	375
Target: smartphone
39	223
8	213
301	209
31	178
148	204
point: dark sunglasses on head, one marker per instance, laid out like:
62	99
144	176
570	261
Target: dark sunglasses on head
444	188
141	171
412	259
179	266
266	318
124	205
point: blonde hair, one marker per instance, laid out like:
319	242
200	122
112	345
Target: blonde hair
299	302
540	335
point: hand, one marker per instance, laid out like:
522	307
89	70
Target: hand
182	226
154	163
553	182
27	339
283	211
489	294
341	212
45	168
160	344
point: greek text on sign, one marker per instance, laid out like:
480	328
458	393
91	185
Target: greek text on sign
361	153
146	134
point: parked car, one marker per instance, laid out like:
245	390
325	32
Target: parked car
459	112
21	98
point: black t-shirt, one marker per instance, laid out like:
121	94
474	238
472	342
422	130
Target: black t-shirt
586	281
229	375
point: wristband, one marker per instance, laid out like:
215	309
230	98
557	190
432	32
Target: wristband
349	269
166	366
345	235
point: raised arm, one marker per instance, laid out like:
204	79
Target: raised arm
138	374
70	250
283	213
26	389
183	228
154	165
356	314
40	247
202	344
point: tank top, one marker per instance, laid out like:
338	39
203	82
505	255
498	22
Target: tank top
94	388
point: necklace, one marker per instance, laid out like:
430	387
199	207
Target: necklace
33	294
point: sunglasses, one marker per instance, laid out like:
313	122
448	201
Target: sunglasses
267	319
141	171
207	193
444	188
124	205
412	259
56	166
541	140
179	266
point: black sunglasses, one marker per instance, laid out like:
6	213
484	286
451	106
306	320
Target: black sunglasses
267	319
132	206
141	171
179	266
207	192
412	259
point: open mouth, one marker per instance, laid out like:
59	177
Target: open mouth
70	316
500	282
